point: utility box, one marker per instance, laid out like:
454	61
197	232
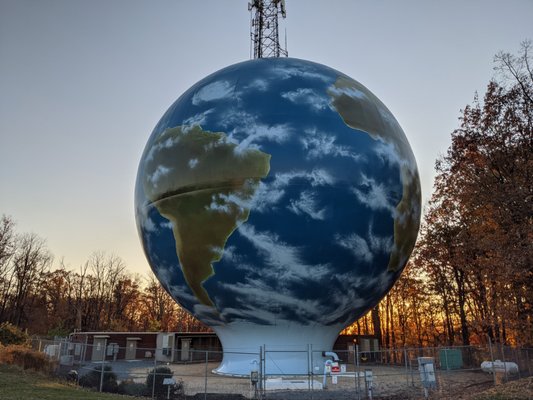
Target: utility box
450	359
426	366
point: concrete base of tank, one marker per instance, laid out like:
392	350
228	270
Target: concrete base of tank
289	349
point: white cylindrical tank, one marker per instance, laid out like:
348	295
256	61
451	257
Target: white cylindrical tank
499	366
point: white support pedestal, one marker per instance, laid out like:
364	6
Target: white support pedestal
288	349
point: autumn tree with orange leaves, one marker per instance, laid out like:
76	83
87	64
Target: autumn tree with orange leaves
470	278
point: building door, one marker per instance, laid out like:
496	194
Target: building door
185	347
98	349
131	349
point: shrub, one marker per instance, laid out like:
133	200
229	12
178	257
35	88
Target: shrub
10	334
92	379
131	388
160	390
26	358
59	330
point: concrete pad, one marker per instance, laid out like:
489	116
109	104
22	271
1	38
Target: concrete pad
291	384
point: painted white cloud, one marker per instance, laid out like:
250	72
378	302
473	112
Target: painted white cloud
148	225
214	91
316	100
308	72
263	132
348	91
377	197
264	301
365	248
317	177
156	148
284	258
388	154
237	119
357	245
320	144
226	203
193	162
247	132
219	206
160	172
166	225
257	84
261	301
195	120
269	194
307	204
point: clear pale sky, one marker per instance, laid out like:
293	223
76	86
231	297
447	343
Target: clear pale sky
83	83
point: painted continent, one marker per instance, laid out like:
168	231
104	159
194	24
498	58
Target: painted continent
207	200
363	111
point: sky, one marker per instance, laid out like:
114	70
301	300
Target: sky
83	83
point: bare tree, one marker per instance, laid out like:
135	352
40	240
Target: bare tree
30	261
517	70
7	249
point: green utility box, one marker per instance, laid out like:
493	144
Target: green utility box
450	359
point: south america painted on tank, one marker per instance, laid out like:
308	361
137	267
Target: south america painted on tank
277	200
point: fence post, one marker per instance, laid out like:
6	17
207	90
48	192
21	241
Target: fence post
264	369
518	358
102	366
492	360
309	368
358	384
312	368
153	380
206	368
354	369
411	373
504	363
528	362
406	367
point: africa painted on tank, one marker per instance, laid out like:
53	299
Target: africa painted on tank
277	191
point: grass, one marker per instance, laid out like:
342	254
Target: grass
16	384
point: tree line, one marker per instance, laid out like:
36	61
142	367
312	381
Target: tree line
469	280
100	296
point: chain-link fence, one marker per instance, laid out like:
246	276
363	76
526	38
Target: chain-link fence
406	373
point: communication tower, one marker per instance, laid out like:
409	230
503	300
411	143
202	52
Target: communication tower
265	28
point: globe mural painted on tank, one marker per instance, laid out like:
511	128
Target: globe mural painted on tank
278	192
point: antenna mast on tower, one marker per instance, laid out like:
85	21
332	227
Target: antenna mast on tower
265	28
